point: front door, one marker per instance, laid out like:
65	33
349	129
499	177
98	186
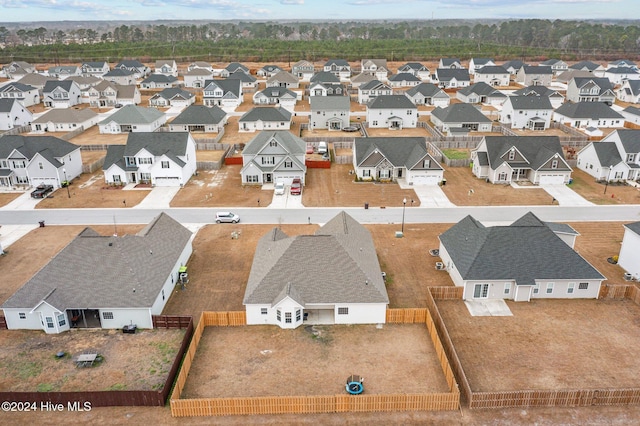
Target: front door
268	178
481	291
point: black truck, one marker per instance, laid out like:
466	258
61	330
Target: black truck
42	191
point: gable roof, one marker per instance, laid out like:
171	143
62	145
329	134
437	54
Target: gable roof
338	62
537	150
425	89
447	62
242	76
492	69
172	92
51	85
536	91
516	64
278	92
630	139
594	110
530	102
6	104
536	69
232	86
404	76
107	271
481	88
66	115
448	74
34	79
48	147
363	78
119	72
329	103
498	252
130	63
282	262
292	144
374	84
391	101
16	87
607	153
236	66
284	77
266	114
585	65
133	114
399	151
200	114
633	227
602	82
458	113
159	78
324	77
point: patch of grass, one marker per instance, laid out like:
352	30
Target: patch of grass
456	154
117	387
29	369
45	387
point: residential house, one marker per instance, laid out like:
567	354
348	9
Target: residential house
324	77
415	68
223	93
13	113
527	112
481	93
247	81
629	258
174	97
234	67
156	158
138	69
132	118
615	158
159	81
61	94
361	79
122	76
596	69
370	90
403	80
303	69
476	64
387	158
116	281
621	74
428	94
107	94
36	80
566	76
522	261
583	89
276	96
84	83
329	112
493	75
18	69
63	71
460	119
95	69
557	66
338	67
530	75
26	94
513	66
326	89
629	91
35	160
392	112
451	78
506	159
283	79
65	120
199	118
265	118
200	65
166	67
631	115
556	98
268	71
283	288
376	67
197	77
271	156
454	63
584	115
622	63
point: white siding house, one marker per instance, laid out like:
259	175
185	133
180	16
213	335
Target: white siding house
392	112
272	156
629	258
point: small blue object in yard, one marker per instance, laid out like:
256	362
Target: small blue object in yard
399	234
355	385
570	181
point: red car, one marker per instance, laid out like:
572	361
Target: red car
296	187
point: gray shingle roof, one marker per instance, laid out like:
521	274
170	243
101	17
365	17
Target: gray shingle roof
460	113
242	76
339	62
171	144
336	265
607	153
232	86
6	104
630	139
536	91
17	86
391	101
266	114
425	89
530	102
492	69
324	77
374	84
537	150
94	272
52	84
172	92
525	253
284	77
584	65
404	76
200	114
594	110
602	82
119	72
132	114
66	115
399	151
537	69
292	144
49	147
329	103
634	227
448	74
480	88
278	92
159	78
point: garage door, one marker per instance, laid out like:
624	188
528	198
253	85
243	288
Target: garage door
551	180
426	180
287	179
168	181
44	180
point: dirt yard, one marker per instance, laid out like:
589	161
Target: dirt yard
460	182
7	197
89	157
313	360
598	241
548	344
586	185
90	190
140	361
92	136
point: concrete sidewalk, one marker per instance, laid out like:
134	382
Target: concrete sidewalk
488	308
23	202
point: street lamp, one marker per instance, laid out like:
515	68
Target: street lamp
606	184
66	182
404	205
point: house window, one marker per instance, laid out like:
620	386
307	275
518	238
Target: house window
165	164
570	288
536	288
107	315
343	311
507	288
279	315
366	173
384	174
22	179
426	164
298	315
268	160
263	311
549	288
18	164
512	155
554	164
480	291
374	123
49	322
251	179
62	320
40	166
145	177
273	143
409	112
583	286
288	164
631	158
287	317
144	160
22	315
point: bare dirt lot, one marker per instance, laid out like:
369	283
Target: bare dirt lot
394	359
598	241
139	361
7	197
460	181
586	186
548	344
92	136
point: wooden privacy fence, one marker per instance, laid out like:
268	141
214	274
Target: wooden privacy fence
312	403
620	291
92	167
555	398
446	293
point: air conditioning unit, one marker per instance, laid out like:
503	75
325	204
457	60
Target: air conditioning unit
627	276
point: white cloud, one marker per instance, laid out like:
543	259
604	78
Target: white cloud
296	2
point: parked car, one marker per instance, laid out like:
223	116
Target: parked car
309	148
322	147
296	187
227	217
279	187
42	191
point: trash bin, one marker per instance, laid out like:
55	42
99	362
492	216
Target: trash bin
444	182
41	223
366	206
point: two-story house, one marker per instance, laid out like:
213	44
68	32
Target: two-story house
276	96
61	72
415	68
326	89
225	93
629	91
451	78
376	67
156	158
428	94
138	69
557	65
476	64
61	94
18	69
200	65
338	67
481	93
122	76
166	67
132	118
329	112
403	80
392	112
234	67
631	115
527	112
370	90
596	69
493	75
159	81
265	118
271	156
513	66
95	68
618	75
24	93
531	75
107	94
585	89
615	158
196	77
13	113
247	81
303	69
556	98
283	79
450	63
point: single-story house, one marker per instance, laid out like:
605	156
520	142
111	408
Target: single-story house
166	67
417	69
265	118
174	96
159	81
583	115
276	96
404	79
481	93
303	70
197	77
460	118
268	71
199	118
283	79
428	94
65	120
450	78
132	118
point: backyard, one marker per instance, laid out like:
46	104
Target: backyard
599	193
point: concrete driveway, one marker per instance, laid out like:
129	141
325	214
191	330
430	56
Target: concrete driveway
284	201
565	196
429	195
23	202
158	198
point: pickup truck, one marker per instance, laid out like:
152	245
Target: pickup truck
42	191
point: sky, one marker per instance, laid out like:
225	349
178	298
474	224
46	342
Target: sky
92	10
